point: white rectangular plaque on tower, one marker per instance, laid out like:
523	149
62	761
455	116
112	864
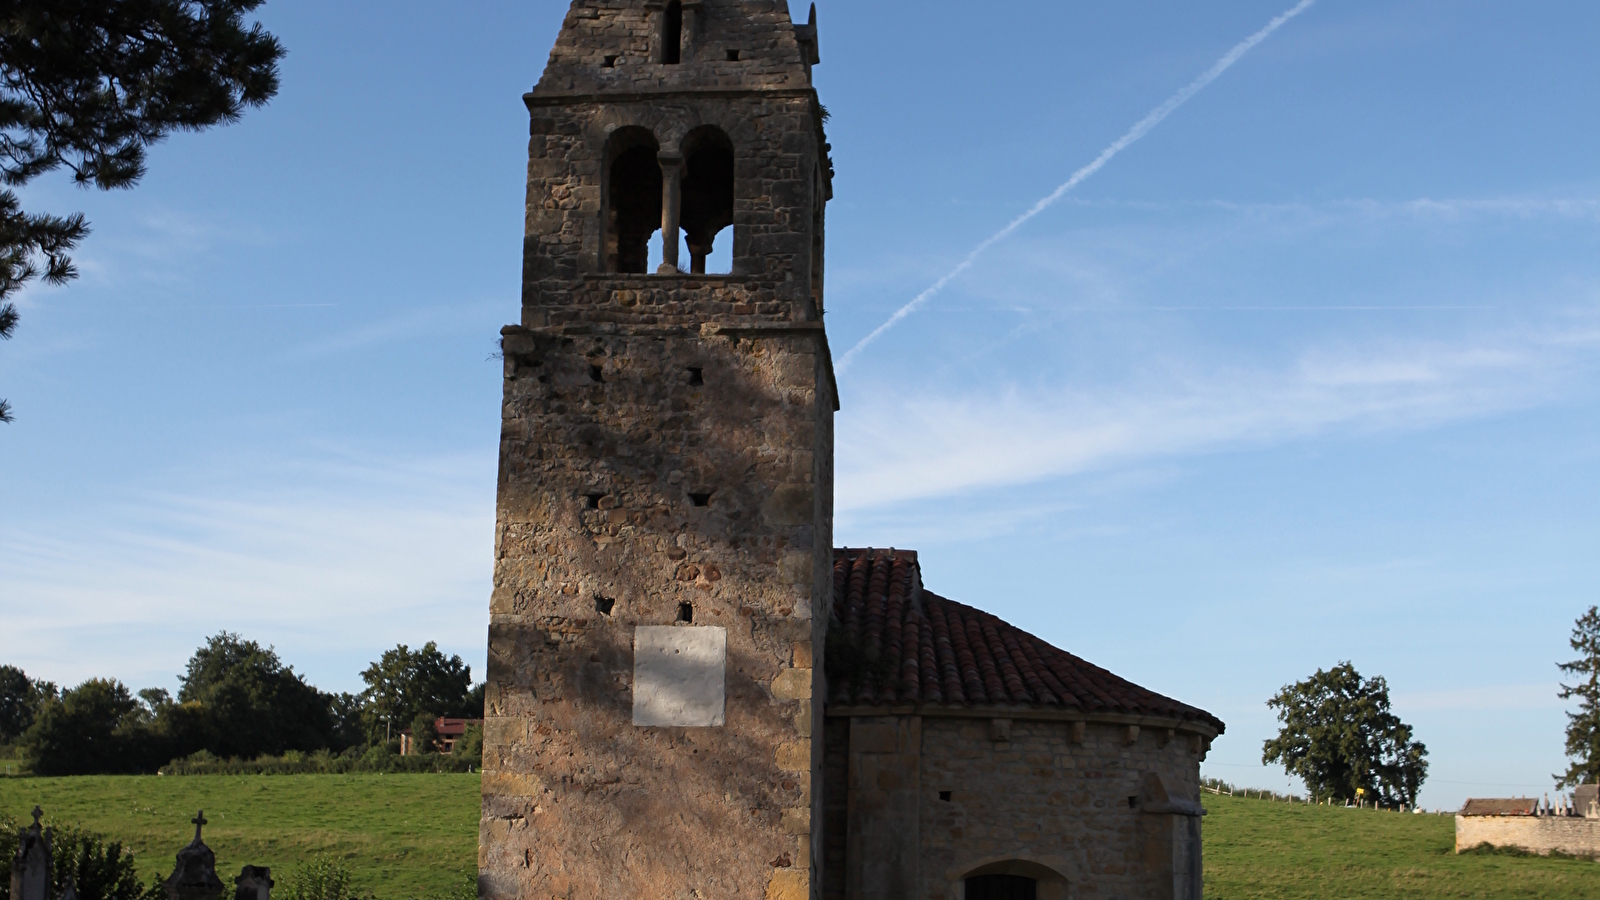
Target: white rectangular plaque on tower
679	674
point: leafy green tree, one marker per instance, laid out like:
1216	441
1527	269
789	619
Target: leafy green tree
1339	736
349	727
89	85
404	683
20	699
424	736
1583	726
94	728
250	703
470	745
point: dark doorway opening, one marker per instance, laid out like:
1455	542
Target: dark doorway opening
707	191
1002	887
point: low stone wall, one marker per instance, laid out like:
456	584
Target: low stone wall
1538	834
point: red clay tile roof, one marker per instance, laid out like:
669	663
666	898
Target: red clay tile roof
904	645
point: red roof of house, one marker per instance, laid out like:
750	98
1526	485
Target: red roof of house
448	727
904	645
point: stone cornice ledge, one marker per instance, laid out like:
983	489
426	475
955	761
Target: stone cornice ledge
1025	713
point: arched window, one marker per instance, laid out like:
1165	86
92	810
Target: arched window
707	191
632	199
672	33
1001	887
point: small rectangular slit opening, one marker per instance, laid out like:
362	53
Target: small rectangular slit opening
596	374
1133	802
945	796
733	56
610	63
697	376
700	499
604	605
592	501
685	612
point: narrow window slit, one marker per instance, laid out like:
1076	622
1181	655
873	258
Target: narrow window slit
596	374
592	501
685	612
672	33
604	605
697	376
1133	802
733	56
945	796
700	499
610	63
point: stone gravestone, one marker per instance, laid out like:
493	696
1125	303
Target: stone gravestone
30	869
253	883
1586	797
195	876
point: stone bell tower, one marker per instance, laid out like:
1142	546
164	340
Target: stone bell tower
664	524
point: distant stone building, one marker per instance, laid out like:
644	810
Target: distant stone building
669	614
1527	824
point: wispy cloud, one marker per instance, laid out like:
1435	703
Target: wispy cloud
895	449
404	326
344	554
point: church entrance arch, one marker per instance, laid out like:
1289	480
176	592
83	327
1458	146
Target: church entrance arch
1001	887
1009	878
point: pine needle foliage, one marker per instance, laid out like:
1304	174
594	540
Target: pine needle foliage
89	85
1583	726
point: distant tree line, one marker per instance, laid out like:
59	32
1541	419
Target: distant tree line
236	700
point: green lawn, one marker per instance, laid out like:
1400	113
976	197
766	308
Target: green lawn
400	835
1260	849
412	835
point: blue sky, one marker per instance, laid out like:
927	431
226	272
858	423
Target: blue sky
1306	374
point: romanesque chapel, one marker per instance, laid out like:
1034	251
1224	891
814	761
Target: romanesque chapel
692	694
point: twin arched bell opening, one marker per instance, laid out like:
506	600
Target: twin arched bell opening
686	195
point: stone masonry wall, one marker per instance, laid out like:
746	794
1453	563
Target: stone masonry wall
1539	834
780	183
666	454
1039	802
596	506
628	31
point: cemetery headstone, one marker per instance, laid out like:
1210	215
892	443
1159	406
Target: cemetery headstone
30	868
195	875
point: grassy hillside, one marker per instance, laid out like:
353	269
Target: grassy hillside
1260	849
412	835
400	835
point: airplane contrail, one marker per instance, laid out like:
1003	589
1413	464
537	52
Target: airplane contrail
1139	130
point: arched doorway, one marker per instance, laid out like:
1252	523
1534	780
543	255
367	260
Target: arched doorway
1001	887
1009	878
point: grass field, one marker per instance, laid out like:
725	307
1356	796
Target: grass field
413	835
400	835
1260	849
